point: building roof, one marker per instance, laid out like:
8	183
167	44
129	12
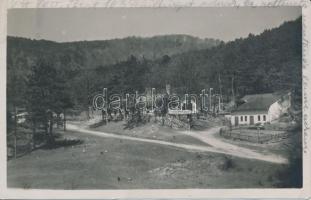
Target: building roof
250	112
257	102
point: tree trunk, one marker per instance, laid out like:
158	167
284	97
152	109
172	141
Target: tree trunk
64	120
50	130
46	128
220	93
87	113
103	115
232	88
15	149
33	135
15	132
58	120
87	96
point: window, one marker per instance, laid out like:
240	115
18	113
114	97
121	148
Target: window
245	118
258	117
264	118
241	118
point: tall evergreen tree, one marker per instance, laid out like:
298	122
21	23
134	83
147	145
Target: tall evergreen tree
46	97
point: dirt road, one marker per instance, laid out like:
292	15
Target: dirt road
208	137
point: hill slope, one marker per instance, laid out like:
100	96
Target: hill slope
75	58
268	62
90	54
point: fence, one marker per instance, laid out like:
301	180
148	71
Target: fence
255	136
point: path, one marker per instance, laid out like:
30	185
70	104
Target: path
217	147
209	137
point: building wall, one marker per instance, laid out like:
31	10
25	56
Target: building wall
279	108
244	119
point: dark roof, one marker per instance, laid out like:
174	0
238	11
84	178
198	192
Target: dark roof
257	102
249	112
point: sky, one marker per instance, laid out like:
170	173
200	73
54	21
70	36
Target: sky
76	24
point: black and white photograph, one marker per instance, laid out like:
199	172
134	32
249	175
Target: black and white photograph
154	98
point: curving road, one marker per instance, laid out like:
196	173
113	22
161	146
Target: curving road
217	146
209	137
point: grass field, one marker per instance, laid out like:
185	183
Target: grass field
105	163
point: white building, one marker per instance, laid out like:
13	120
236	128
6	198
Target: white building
260	108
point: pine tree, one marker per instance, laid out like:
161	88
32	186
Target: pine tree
46	96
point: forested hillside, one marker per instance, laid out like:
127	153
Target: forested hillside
77	60
257	64
268	62
90	54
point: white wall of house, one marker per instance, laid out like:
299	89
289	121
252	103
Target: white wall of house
244	119
279	108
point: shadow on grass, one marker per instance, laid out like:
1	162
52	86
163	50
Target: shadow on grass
46	146
61	143
98	124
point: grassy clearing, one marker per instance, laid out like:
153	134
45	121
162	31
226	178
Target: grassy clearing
150	131
105	163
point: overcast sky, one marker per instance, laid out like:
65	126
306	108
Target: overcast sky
101	23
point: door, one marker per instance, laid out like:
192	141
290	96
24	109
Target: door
251	120
236	120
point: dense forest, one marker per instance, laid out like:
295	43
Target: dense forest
267	62
77	61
